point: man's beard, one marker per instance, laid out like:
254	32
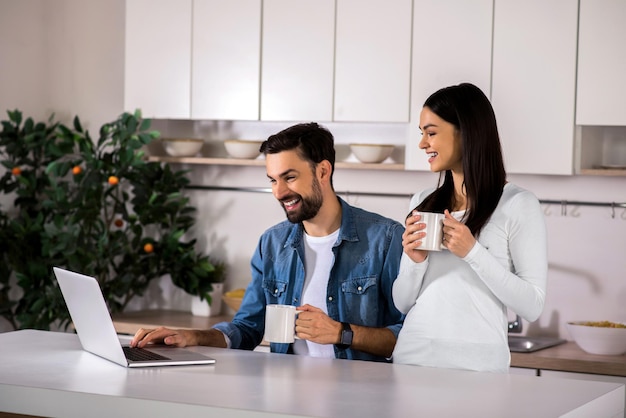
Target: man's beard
309	206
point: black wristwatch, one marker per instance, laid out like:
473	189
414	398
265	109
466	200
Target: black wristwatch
346	336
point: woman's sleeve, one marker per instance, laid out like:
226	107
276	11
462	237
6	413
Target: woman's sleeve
523	289
407	285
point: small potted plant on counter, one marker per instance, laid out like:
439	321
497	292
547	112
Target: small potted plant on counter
205	286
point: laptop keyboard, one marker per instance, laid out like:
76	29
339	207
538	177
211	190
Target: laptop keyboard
139	354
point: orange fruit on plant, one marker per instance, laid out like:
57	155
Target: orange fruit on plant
113	180
148	248
16	171
76	170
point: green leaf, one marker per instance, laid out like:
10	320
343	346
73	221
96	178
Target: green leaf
77	125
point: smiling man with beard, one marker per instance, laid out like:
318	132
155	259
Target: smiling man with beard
336	263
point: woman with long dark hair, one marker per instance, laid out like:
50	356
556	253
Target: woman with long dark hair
494	234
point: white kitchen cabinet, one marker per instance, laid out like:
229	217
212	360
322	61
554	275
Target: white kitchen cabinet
373	61
533	84
158	58
601	88
226	56
601	84
298	60
347	60
460	52
271	60
195	59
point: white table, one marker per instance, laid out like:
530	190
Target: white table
47	373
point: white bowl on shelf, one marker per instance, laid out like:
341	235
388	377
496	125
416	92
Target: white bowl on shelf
371	153
240	148
597	339
182	147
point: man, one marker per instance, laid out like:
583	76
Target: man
335	262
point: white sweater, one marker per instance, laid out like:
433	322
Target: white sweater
457	308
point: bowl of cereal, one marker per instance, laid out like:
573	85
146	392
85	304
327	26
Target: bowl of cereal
233	298
599	337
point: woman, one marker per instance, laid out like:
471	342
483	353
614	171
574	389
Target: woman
457	299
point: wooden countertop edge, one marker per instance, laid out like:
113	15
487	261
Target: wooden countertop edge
569	357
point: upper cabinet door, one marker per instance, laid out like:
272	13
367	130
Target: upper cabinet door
158	58
601	89
451	45
373	60
297	63
225	73
533	90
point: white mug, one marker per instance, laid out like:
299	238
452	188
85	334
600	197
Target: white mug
280	323
433	241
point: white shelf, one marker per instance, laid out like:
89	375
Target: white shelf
261	162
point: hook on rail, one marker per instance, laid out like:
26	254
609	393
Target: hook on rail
613	210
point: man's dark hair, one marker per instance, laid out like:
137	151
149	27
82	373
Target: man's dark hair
313	143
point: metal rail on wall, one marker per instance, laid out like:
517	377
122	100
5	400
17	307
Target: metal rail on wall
564	204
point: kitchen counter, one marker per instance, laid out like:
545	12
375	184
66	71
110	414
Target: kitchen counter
566	357
46	373
569	357
130	322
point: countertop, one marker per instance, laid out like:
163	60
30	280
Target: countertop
566	357
48	374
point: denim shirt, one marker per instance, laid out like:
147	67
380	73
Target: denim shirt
366	262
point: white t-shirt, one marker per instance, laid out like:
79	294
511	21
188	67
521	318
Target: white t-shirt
319	259
457	308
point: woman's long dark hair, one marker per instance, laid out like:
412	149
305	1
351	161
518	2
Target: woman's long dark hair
469	110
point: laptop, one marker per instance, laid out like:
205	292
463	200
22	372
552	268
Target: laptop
97	334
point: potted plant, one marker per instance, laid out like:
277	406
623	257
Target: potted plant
206	291
93	206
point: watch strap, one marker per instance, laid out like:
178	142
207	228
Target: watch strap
346	336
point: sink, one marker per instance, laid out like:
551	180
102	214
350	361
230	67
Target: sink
521	344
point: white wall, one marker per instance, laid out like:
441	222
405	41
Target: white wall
85	71
75	66
63	57
22	56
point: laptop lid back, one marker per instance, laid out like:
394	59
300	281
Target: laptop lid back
90	315
96	330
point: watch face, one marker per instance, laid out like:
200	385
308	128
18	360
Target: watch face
346	337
